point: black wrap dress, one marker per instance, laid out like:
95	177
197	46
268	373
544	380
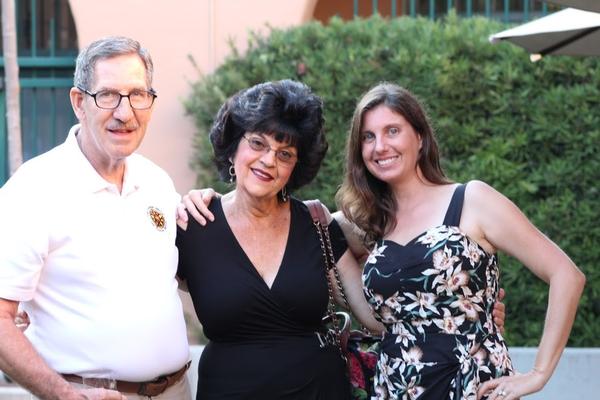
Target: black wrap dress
262	340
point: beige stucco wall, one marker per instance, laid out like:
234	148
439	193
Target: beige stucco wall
173	30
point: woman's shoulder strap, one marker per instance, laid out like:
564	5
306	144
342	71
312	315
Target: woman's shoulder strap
454	212
316	211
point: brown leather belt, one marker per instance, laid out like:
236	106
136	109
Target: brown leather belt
150	388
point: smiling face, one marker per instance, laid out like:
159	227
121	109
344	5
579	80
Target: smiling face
389	145
259	169
107	137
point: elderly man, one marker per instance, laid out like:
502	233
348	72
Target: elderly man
88	248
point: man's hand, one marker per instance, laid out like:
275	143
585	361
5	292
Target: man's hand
196	203
101	394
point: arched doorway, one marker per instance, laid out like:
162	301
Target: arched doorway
47	47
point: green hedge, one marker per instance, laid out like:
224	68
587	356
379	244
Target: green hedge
530	130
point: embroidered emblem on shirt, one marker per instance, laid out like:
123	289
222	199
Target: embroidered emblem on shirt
157	218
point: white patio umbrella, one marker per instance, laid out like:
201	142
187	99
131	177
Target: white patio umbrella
588	5
569	32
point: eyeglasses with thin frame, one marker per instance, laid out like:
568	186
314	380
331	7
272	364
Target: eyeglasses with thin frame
111	99
259	145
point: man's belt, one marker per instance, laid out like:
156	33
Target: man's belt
150	388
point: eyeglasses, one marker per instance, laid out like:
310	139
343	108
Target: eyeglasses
261	146
110	99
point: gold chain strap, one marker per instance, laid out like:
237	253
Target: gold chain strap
331	302
333	266
315	208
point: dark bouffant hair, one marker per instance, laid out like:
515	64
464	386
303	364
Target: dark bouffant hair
286	109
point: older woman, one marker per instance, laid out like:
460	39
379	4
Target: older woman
257	275
432	276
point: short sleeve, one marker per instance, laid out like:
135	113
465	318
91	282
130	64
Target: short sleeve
338	240
23	238
181	242
187	242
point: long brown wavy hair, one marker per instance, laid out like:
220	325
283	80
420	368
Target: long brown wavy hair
365	200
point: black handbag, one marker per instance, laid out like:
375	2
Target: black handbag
357	348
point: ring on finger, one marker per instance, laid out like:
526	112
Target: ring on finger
502	393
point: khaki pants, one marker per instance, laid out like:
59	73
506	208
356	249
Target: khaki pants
179	391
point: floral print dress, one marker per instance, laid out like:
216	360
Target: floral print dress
435	296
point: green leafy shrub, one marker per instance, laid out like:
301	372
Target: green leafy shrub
530	130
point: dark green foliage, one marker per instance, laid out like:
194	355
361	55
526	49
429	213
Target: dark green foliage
530	130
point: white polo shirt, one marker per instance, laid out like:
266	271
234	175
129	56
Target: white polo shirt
94	268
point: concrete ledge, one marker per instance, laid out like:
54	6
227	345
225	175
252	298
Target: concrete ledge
575	378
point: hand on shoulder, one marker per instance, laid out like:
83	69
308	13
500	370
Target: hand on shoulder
196	202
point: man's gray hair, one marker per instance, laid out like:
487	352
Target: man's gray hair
108	47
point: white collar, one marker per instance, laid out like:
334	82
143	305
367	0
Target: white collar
88	179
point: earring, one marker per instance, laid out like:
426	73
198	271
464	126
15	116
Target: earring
231	174
284	195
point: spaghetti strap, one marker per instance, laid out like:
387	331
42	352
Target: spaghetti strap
454	212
